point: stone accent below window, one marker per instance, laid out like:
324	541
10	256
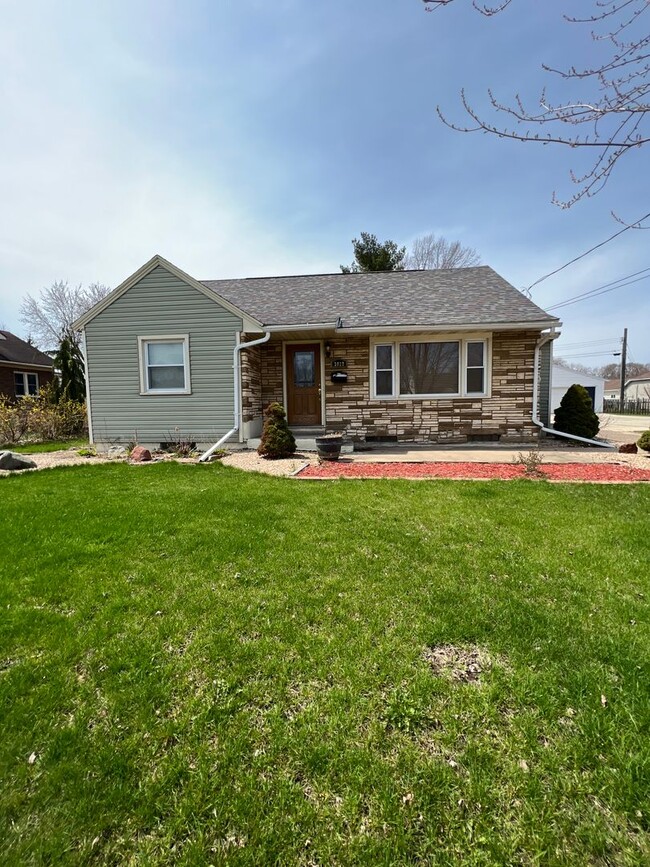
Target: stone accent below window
506	415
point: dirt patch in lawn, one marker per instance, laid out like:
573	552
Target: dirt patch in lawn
458	663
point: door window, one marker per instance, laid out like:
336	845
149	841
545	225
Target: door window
304	369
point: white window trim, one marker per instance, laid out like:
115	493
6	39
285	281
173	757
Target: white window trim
438	337
24	374
163	338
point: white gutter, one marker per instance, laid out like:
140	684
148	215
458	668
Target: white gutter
305	326
535	419
235	364
450	328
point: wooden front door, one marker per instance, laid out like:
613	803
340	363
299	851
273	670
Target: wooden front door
303	384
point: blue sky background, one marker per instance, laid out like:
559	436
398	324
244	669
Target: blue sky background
243	139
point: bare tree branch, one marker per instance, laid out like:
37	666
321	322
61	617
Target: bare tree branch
429	253
49	317
612	121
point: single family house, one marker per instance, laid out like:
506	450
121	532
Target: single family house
24	370
427	356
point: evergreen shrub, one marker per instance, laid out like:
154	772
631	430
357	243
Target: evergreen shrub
277	440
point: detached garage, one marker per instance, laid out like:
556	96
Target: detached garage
563	378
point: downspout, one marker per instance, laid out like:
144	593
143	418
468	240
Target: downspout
535	418
235	364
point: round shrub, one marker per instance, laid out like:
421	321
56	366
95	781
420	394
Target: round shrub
277	440
644	441
575	414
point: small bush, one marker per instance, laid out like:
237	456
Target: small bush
531	462
576	415
14	421
277	439
644	441
40	420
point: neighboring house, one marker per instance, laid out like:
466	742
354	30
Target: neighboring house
565	377
638	388
24	370
427	356
612	389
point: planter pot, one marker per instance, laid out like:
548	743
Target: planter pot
329	448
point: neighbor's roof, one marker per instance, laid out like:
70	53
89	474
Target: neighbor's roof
17	351
462	296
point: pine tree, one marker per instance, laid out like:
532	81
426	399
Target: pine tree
277	439
373	255
575	414
69	363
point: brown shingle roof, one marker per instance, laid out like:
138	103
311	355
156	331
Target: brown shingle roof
17	351
461	296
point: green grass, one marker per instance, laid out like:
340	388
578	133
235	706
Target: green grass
39	448
214	667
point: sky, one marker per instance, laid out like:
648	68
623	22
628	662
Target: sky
247	139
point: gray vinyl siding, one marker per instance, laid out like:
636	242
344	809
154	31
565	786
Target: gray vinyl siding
161	304
545	362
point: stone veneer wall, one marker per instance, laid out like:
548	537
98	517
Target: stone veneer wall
251	383
507	413
272	373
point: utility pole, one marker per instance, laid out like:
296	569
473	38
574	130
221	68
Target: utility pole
621	406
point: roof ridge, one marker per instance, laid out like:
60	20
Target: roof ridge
350	274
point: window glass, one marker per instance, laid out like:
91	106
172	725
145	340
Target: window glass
475	354
475	380
384	357
165	353
19	383
32	383
304	369
166	377
384	382
429	368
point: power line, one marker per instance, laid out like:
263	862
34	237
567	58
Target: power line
587	252
588	343
602	290
583	354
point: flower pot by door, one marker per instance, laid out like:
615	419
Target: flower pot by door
329	448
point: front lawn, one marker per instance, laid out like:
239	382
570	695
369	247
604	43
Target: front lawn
200	666
50	446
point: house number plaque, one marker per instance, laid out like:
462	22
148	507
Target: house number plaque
339	362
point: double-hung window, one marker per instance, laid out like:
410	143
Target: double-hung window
164	365
475	367
430	368
25	384
384	370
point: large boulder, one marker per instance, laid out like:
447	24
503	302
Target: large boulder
13	461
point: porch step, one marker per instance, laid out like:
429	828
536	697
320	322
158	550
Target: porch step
303	444
306	430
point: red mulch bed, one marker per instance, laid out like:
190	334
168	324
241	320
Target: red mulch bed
441	470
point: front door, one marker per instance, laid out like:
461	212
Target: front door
303	384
